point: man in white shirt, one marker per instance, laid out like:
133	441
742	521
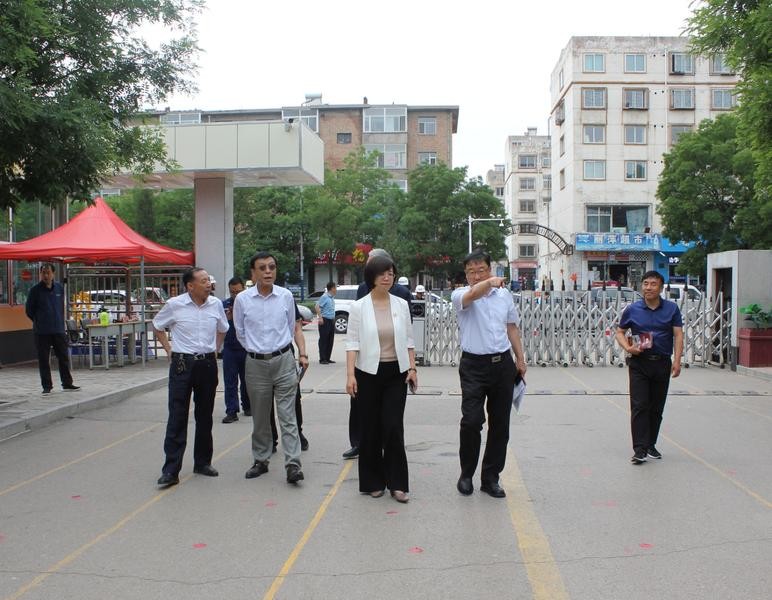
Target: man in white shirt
198	325
264	318
488	324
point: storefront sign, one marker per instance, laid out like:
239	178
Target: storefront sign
629	242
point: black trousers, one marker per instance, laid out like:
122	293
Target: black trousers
649	381
326	338
382	457
354	422
484	378
199	378
58	342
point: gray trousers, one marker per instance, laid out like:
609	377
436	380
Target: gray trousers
268	379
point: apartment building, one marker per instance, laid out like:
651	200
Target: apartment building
527	196
406	136
618	105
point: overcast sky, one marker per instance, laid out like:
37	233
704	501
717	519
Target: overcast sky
491	58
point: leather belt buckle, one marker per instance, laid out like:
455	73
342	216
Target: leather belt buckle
496	359
199	356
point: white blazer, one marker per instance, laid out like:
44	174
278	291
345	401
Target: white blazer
363	333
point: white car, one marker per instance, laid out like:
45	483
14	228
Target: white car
344	297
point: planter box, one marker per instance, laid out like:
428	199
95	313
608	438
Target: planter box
756	347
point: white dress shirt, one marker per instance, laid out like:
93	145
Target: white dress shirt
264	324
363	333
194	328
483	323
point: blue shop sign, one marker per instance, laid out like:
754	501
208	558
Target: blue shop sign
646	242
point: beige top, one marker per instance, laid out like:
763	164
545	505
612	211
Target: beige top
385	333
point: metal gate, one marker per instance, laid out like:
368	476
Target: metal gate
572	328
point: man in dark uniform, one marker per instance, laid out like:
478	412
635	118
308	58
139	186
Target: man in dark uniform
233	360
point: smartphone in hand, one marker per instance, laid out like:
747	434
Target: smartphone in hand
411	386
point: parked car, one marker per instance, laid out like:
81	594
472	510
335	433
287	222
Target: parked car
624	295
344	297
88	304
677	290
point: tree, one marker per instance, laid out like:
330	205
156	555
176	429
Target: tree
73	77
742	31
706	194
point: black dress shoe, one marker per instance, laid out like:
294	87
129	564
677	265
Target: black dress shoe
273	450
256	470
352	452
247	412
168	480
230	418
324	362
464	486
207	470
294	474
70	387
303	443
46	391
493	489
331	362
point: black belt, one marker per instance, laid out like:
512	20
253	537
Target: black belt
652	356
200	356
270	355
492	358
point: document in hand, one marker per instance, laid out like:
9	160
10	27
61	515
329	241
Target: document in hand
518	393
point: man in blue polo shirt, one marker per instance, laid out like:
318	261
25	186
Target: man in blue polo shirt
656	333
325	311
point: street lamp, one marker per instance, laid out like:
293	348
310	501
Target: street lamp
473	220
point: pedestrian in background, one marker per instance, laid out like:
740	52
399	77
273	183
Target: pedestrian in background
656	329
45	308
198	326
233	360
325	311
380	364
488	324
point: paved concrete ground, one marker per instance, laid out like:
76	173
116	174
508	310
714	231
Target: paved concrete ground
80	516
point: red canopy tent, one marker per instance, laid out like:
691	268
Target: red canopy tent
95	235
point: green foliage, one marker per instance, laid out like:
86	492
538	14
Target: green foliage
761	318
73	76
706	194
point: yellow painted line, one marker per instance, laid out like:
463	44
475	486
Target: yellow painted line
748	410
279	580
579	381
76	461
108	532
543	574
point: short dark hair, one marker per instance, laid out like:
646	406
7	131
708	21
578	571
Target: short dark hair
261	255
48	265
375	267
189	275
477	255
235	280
331	285
654	275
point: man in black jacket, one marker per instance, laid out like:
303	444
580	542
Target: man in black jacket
45	308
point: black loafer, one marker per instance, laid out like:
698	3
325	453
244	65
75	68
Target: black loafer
168	480
352	452
247	412
230	418
464	486
70	387
294	474
493	489
256	470
207	470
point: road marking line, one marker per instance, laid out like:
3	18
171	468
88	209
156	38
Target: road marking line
279	580
746	409
72	556
76	461
543	574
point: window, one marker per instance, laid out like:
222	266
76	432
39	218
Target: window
682	98
526	161
593	97
635	63
546	161
594	134
344	138
562	178
635	134
560	113
681	63
427	125
546	182
594	63
595	169
562	146
635	169
528	183
309	116
677	130
400	183
722	99
560	81
527	250
619	218
427	158
392	156
636	98
385	119
180	118
499	192
527	206
718	65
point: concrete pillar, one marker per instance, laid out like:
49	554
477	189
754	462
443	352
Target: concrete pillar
214	230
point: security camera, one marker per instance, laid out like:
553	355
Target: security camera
288	124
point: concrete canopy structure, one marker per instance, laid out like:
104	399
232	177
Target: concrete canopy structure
213	158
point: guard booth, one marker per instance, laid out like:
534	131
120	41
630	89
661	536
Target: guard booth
419	330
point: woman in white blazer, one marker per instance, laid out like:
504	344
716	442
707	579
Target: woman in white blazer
380	364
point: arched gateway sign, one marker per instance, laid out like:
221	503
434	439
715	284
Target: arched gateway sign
546	232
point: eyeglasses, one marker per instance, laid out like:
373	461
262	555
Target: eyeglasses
266	268
471	272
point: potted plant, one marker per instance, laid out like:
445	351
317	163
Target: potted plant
756	342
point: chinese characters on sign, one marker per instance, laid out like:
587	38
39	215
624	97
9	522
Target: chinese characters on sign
618	241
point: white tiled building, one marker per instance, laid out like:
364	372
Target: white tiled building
617	105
